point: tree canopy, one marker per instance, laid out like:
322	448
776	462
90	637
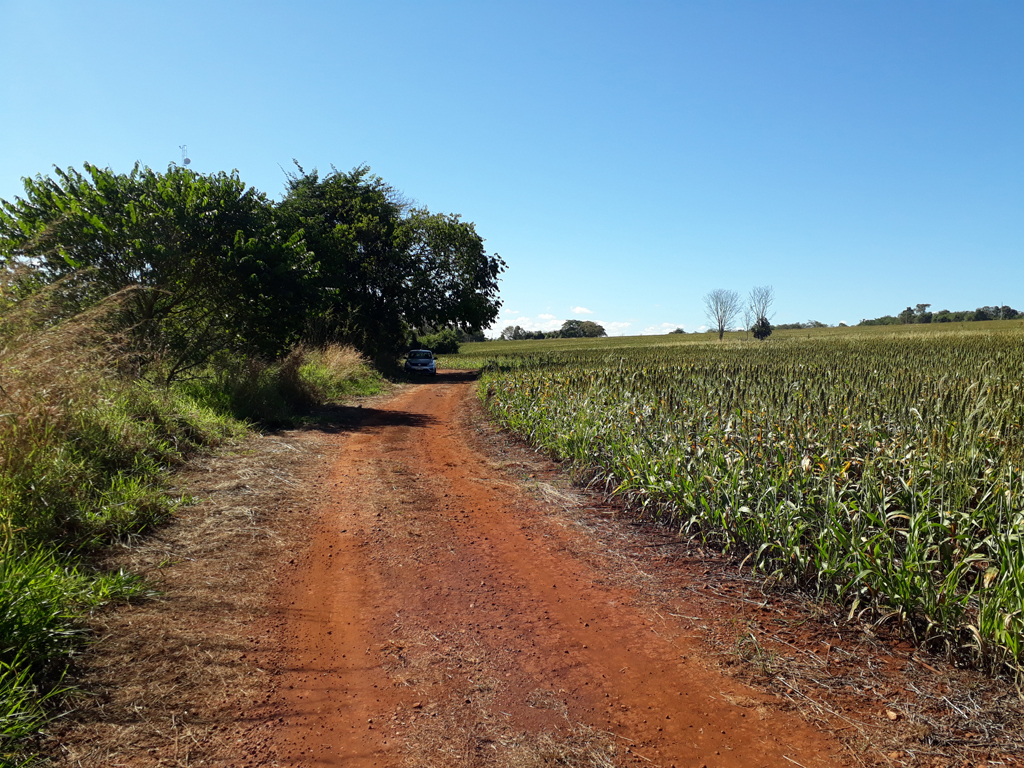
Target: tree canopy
385	267
208	266
578	329
211	265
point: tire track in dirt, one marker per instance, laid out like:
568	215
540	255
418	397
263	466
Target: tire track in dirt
441	617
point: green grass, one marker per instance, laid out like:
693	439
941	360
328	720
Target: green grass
41	595
255	392
878	468
84	456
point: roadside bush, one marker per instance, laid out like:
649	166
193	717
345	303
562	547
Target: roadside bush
40	597
274	394
334	372
82	449
444	342
85	444
80	445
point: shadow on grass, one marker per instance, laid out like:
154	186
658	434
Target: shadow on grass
355	417
442	377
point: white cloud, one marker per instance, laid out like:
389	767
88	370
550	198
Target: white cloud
654	330
581	311
614	329
543	322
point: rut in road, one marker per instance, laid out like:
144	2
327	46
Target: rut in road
444	615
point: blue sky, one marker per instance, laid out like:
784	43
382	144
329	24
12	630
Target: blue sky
623	158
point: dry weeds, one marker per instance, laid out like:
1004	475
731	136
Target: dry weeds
170	681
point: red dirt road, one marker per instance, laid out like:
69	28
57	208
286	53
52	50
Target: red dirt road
447	614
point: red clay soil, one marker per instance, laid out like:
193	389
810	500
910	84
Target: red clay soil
441	615
401	584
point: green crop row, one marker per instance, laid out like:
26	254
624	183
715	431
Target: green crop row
880	471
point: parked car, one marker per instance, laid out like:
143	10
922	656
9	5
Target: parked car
420	361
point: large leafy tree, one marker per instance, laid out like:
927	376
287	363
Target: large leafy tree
202	263
386	267
352	223
578	329
453	281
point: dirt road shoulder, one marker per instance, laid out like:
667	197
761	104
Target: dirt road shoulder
403	586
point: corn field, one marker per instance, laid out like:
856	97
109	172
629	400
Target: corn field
881	473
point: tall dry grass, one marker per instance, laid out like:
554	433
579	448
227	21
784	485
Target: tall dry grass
82	449
85	446
279	393
80	442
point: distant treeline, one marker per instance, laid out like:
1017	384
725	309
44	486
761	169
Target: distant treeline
571	329
808	324
921	314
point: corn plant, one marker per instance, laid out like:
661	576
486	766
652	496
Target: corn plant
881	471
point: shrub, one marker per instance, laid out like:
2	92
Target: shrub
444	342
762	329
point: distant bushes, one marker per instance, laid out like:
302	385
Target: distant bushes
921	315
571	329
444	342
799	326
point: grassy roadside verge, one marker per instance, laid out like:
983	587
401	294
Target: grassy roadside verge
85	451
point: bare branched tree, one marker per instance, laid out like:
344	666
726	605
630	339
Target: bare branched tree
760	300
759	303
721	307
748	321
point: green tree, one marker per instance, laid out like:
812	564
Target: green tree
351	223
443	342
208	268
453	281
762	329
385	267
577	329
759	303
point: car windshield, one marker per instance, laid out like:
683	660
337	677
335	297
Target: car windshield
419	355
